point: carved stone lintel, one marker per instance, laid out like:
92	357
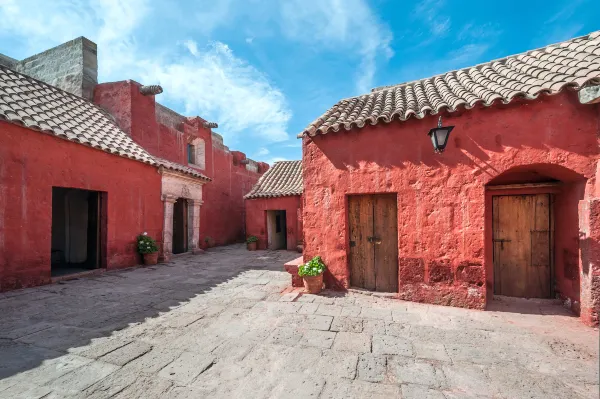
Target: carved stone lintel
169	198
589	95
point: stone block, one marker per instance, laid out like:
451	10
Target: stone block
299	385
292	268
347	324
411	270
431	351
329	310
187	367
318	339
406	370
337	364
154	360
82	377
352	342
390	345
126	353
371	368
440	271
471	272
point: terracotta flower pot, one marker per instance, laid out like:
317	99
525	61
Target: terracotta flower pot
251	246
313	284
150	259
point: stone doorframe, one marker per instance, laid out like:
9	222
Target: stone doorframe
174	187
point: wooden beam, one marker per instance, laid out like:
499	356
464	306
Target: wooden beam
525	185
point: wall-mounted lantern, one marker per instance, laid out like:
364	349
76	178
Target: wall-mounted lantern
439	136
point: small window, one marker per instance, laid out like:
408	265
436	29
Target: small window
191	157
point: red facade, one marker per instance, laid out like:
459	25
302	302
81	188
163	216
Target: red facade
444	200
33	163
256	219
166	134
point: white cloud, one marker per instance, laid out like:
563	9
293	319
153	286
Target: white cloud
213	83
429	12
342	25
275	159
217	84
262	152
249	40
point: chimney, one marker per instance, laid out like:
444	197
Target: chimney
71	66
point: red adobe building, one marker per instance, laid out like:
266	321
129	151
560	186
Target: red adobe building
511	207
85	168
274	207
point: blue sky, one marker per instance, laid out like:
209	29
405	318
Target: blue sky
265	69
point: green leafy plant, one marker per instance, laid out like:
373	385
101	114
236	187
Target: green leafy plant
313	267
252	239
146	244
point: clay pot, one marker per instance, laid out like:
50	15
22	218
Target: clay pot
251	246
313	284
150	259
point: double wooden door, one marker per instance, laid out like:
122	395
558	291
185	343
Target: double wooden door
373	259
522	237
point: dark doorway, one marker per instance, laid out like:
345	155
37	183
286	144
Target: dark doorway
522	240
180	218
373	257
76	230
276	229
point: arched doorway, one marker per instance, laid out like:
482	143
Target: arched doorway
532	233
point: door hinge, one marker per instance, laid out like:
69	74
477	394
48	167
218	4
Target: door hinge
501	241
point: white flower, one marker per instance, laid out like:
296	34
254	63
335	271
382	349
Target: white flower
145	233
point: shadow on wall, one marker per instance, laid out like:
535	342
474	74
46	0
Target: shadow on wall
47	322
548	124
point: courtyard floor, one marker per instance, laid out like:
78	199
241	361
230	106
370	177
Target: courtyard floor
217	325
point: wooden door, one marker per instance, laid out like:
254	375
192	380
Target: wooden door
522	245
373	236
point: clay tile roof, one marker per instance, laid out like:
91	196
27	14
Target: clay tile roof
548	70
37	105
283	179
180	168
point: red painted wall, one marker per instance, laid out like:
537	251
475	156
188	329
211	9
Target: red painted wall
256	219
441	197
222	212
31	163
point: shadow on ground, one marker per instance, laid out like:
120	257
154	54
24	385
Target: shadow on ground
47	322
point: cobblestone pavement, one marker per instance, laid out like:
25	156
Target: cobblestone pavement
217	325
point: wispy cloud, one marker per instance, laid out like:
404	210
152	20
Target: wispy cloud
210	81
350	26
262	152
429	12
216	83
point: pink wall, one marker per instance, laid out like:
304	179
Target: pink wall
222	211
256	219
31	163
441	201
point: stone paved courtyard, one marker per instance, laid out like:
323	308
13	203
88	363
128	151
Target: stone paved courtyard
217	325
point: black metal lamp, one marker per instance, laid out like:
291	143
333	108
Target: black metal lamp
439	136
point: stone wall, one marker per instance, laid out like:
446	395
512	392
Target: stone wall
444	216
71	66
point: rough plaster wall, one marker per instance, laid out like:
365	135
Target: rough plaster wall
31	163
72	66
441	209
256	224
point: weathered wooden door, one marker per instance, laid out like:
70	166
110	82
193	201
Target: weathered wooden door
373	254
522	245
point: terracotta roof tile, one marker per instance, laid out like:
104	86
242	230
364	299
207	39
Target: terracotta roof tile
64	115
180	168
549	70
283	179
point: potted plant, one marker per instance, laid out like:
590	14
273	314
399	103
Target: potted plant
312	275
208	242
148	248
251	243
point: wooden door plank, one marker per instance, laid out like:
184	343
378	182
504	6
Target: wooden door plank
539	269
496	245
385	222
360	220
